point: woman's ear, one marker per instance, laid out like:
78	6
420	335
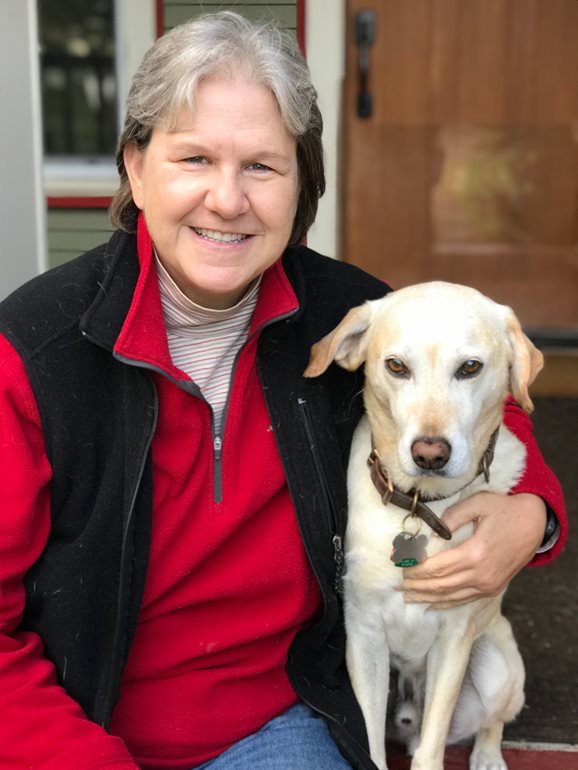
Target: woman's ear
133	161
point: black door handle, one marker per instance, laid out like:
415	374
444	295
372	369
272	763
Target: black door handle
365	36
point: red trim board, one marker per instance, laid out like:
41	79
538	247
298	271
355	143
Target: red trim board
301	25
87	202
160	17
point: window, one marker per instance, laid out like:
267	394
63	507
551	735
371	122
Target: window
78	77
89	50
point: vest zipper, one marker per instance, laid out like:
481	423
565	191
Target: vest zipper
332	519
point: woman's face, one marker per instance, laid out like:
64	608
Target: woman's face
219	191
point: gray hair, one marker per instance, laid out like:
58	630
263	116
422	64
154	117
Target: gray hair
224	44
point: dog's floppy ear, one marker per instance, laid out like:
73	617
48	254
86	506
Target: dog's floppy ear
345	344
525	363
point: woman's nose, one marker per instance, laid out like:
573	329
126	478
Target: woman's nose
226	194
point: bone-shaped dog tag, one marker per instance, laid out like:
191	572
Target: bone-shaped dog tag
408	550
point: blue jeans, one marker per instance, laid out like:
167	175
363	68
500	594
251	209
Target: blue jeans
296	740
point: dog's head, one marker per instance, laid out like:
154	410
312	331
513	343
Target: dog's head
439	360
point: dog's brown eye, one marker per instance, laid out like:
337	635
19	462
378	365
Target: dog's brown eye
469	368
397	367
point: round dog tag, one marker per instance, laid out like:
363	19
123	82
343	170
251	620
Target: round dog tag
408	550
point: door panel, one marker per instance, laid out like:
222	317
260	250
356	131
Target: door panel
467	168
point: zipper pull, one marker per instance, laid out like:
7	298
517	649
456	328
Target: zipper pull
218	471
339	559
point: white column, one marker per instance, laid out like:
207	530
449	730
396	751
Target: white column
23	251
325	46
135	32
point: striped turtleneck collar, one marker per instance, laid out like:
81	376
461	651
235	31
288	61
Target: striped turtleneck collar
181	313
204	342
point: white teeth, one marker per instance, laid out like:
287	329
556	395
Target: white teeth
215	235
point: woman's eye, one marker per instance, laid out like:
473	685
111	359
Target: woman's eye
196	159
258	167
397	367
469	368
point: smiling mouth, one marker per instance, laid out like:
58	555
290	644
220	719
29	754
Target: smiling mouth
219	237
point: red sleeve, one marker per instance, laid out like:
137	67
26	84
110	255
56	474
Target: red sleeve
538	479
41	726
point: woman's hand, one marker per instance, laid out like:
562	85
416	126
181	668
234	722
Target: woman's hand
508	531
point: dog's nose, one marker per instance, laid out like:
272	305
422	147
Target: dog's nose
430	453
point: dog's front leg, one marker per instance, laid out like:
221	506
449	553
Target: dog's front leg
446	666
367	659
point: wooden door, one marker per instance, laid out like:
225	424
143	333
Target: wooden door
467	168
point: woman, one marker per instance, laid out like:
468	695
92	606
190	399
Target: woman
176	493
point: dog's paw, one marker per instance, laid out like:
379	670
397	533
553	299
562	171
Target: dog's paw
406	725
411	745
428	764
487	759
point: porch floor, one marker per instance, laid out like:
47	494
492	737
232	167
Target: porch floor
517	758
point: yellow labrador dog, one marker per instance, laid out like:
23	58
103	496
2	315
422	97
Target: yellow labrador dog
439	360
